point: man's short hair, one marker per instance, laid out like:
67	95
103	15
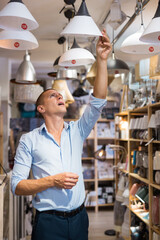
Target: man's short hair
41	97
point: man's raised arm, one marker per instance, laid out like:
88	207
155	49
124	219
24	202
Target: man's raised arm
103	49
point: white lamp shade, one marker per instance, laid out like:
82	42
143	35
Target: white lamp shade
152	32
26	71
82	24
16	16
27	93
17	40
62	87
76	57
133	45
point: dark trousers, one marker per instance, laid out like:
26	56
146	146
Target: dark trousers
53	227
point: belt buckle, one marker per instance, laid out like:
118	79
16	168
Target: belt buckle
64	214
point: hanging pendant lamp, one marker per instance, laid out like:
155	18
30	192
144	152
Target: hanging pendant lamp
76	56
26	72
152	32
16	16
82	24
133	45
116	66
17	40
62	87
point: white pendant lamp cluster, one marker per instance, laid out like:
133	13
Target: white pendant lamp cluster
144	41
76	56
16	20
82	24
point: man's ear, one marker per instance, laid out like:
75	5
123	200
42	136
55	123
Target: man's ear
41	109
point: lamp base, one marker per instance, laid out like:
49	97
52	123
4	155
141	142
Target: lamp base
110	232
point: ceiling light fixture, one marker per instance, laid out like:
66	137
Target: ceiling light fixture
116	66
26	72
82	24
76	56
152	32
16	16
115	11
17	40
80	92
133	45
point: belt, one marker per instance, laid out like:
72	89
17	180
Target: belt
64	213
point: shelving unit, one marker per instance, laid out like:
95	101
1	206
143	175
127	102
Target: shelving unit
132	144
1	141
94	183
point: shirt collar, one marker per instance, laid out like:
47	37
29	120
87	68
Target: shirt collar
43	127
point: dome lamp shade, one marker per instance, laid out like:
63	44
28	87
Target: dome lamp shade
26	72
152	32
17	40
116	66
82	24
133	45
76	56
16	16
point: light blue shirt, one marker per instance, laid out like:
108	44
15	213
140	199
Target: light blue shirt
37	150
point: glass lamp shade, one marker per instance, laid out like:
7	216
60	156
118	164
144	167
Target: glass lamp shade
26	72
101	153
133	45
76	57
16	16
152	32
116	66
17	40
62	87
82	24
91	75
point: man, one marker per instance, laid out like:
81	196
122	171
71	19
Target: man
53	152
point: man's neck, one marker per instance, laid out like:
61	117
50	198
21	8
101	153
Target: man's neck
55	124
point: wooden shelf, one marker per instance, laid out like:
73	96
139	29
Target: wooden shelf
156	141
106	179
120	139
105	120
138	140
105	138
139	178
123	170
139	216
88	158
89	180
154	185
156	229
106	205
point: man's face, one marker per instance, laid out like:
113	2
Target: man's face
53	102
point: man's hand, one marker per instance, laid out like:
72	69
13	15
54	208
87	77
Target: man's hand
65	180
103	47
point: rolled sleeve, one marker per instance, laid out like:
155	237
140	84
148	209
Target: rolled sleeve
90	115
22	163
